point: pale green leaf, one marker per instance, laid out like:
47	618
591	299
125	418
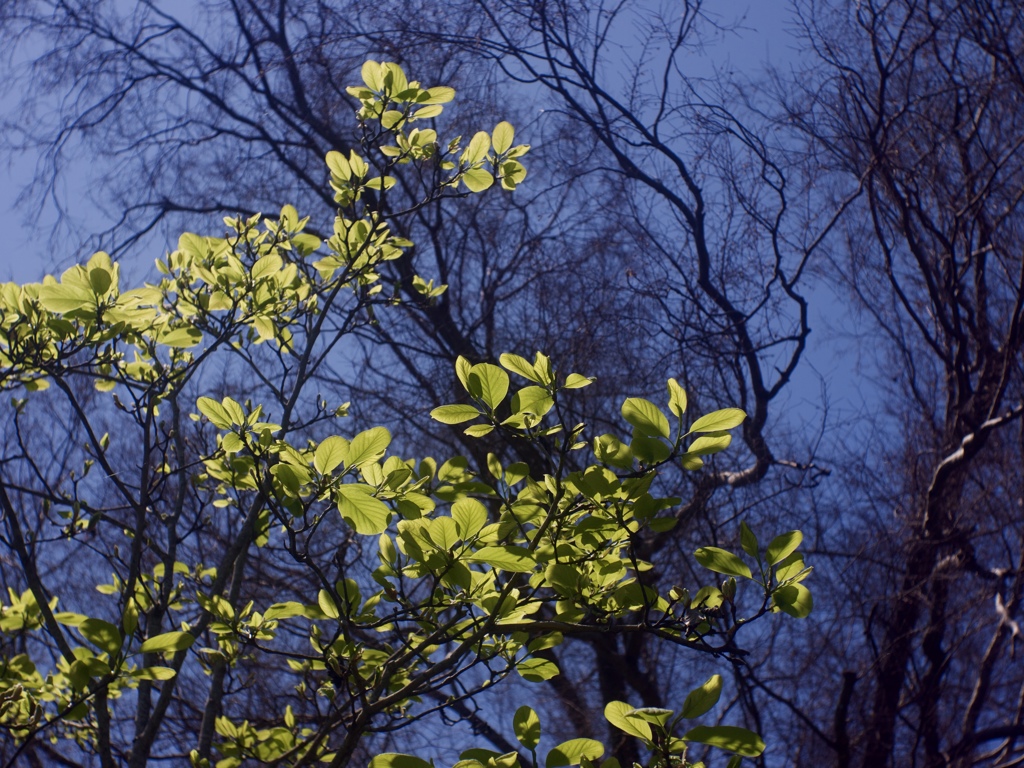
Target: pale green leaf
154	673
700	700
782	546
716	421
534	670
526	726
454	414
646	417
615	713
66	298
505	558
469	516
502	136
169	641
478	179
721	561
708	444
102	634
748	540
676	398
394	760
330	454
520	366
794	599
577	381
478	146
573	751
368	446
358	507
489	383
727	737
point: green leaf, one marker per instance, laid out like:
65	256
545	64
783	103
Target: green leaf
181	338
478	146
748	540
66	298
610	450
526	726
215	412
716	421
708	444
454	414
573	751
102	634
720	561
479	430
782	546
505	558
394	760
440	94
327	604
615	713
676	398
489	383
728	737
368	446
154	673
469	516
330	454
701	700
520	366
366	514
284	610
291	477
169	641
535	400
646	417
577	381
502	137
656	715
534	670
794	599
478	179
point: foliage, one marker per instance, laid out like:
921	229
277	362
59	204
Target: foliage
408	585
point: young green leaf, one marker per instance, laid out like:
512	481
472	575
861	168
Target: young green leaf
394	760
330	454
748	540
573	751
534	670
526	725
646	417
615	713
676	398
169	641
721	561
505	558
368	446
716	421
728	737
469	516
102	634
502	137
782	546
708	444
519	365
700	700
489	383
794	599
454	414
366	514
